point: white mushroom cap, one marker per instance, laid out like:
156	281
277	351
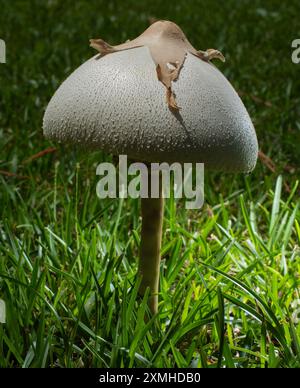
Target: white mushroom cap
115	103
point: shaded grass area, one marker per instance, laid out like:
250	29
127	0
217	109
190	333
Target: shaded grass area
230	272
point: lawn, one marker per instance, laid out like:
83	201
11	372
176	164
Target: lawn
229	290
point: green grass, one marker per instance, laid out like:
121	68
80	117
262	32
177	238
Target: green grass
68	261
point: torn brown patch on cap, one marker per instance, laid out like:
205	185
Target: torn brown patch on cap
168	45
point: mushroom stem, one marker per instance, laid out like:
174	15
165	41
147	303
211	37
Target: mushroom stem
149	265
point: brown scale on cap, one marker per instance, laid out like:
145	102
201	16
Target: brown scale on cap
168	47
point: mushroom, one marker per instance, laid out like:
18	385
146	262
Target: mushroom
156	99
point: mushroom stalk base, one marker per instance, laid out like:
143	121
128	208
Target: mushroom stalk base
149	265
